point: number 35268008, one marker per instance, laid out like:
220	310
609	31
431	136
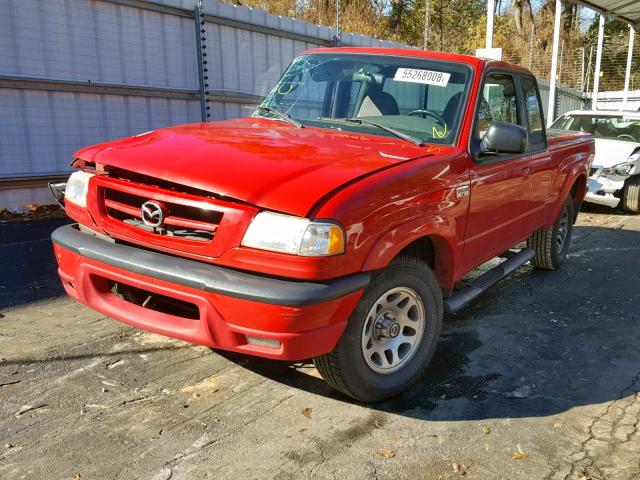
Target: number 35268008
429	77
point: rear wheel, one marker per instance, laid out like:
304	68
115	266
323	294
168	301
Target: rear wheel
552	244
631	195
391	335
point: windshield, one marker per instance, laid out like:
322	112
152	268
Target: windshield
410	98
618	128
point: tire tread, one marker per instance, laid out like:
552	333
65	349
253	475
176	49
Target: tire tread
631	195
543	243
327	366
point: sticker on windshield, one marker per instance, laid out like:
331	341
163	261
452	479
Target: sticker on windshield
429	77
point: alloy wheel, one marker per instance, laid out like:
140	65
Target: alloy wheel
393	329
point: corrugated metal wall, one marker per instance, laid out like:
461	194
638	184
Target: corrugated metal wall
78	72
97	41
54	51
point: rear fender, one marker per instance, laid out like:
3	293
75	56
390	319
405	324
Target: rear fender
575	176
574	169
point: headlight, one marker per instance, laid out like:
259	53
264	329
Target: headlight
622	169
77	188
294	235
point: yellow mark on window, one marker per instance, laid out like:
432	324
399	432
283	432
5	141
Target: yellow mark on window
437	134
281	92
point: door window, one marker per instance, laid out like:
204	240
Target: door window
537	139
497	104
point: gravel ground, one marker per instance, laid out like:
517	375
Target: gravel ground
538	379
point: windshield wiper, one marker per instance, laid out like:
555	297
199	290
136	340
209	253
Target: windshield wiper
281	116
392	131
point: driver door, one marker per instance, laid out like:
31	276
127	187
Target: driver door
500	188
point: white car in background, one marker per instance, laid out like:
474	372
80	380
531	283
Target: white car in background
615	172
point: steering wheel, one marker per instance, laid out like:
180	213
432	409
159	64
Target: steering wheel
627	137
427	113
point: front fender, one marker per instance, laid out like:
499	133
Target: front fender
439	231
386	212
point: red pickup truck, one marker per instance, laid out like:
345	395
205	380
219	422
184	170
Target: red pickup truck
337	222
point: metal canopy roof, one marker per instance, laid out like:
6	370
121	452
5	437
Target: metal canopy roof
627	11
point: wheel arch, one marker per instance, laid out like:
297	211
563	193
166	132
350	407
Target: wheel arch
575	186
578	191
432	248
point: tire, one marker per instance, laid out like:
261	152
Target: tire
402	294
631	195
552	244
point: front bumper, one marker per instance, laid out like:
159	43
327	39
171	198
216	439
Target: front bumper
307	319
602	190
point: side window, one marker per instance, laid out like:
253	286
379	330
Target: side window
534	115
498	103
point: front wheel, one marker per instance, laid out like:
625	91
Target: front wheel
631	195
391	335
552	244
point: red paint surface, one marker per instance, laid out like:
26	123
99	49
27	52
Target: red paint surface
260	161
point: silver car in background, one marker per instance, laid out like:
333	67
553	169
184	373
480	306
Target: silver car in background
615	173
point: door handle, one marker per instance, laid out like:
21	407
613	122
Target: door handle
525	173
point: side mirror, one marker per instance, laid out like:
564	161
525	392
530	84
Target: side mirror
505	138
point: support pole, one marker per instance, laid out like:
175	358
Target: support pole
627	75
582	70
491	10
203	71
596	73
337	40
588	74
427	15
561	62
531	33
551	108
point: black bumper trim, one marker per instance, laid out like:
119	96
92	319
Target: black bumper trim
206	277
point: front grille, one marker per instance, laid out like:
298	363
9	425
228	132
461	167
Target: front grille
181	221
200	226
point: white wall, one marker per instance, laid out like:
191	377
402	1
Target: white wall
614	100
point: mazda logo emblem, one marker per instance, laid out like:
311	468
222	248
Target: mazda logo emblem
152	214
394	331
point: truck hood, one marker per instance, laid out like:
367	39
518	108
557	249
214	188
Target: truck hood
610	152
267	163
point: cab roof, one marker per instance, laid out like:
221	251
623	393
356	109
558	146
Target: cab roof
476	62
